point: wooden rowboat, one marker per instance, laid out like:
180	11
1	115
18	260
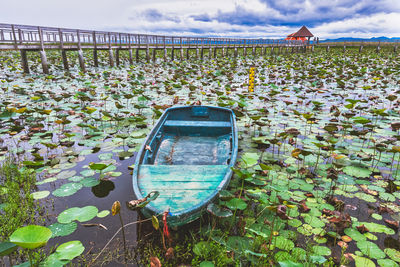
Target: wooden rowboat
187	158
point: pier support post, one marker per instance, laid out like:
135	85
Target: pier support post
43	58
65	59
24	61
344	49
215	52
360	49
201	53
181	53
137	54
81	60
272	50
223	52
172	54
117	57
165	54
327	48
147	54
210	52
312	49
187	53
111	57
235	53
254	51
130	57
244	51
378	49
395	48
95	58
197	53
154	54
280	50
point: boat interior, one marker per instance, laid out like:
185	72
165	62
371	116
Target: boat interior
187	159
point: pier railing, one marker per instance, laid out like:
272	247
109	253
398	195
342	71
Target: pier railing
14	36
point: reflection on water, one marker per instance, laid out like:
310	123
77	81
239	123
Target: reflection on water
103	188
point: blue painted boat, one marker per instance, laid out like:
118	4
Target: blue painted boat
187	158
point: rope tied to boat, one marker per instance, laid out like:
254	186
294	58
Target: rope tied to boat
165	229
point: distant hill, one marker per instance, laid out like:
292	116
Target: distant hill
373	39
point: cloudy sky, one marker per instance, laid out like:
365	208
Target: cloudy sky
233	18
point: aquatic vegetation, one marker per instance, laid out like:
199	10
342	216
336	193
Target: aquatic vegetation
318	176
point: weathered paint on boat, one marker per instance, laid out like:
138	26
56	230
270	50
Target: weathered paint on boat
187	158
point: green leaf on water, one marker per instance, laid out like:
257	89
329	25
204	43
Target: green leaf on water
236	203
7	248
69	250
67	189
62	229
250	158
357	171
371	250
321	250
363	262
80	214
103	213
40	194
393	254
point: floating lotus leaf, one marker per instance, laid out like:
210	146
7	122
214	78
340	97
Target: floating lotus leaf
283	243
236	203
387	263
218	211
80	214
53	261
289	263
7	248
393	254
87	173
355	234
69	250
322	251
206	264
250	159
90	182
363	262
62	229
103	213
31	236
75	178
105	156
66	174
67	189
47	180
40	194
358	172
371	250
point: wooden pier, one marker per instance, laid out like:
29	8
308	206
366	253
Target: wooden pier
26	38
35	38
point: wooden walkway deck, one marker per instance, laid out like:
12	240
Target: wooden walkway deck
35	38
25	38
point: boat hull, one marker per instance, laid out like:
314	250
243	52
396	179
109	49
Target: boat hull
187	158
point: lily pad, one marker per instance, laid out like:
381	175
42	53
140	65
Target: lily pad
40	194
66	174
357	171
80	214
236	203
90	182
67	189
62	229
69	250
103	213
371	250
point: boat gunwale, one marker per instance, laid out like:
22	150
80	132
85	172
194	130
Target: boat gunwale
224	182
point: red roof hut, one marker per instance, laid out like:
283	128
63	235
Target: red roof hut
303	34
